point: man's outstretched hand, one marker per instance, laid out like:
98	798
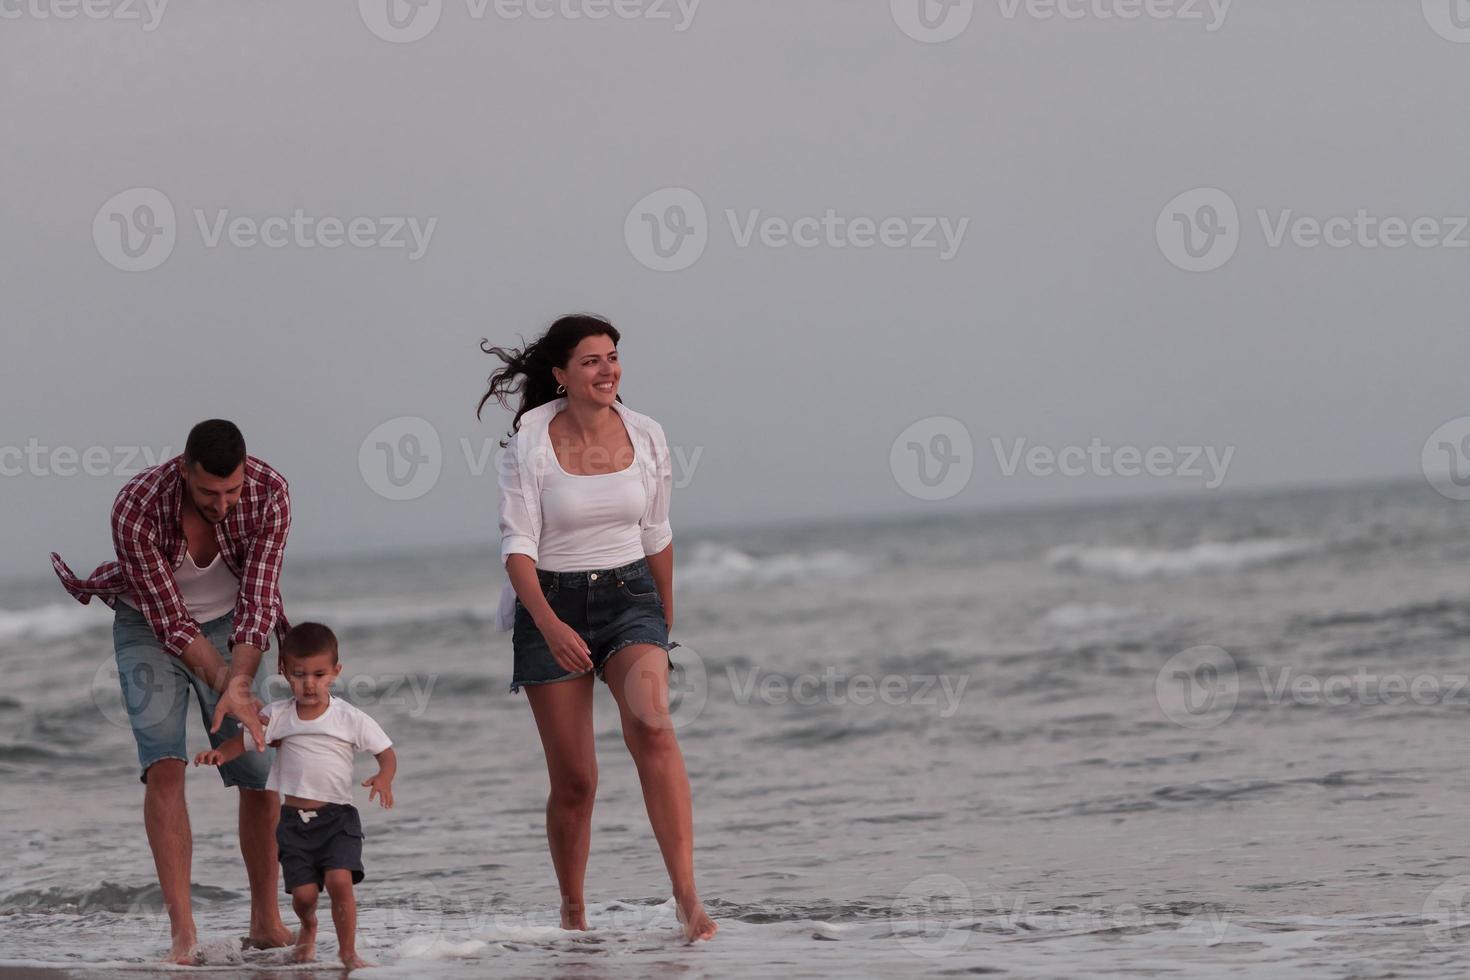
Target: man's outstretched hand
237	702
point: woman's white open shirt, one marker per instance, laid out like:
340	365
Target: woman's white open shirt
522	469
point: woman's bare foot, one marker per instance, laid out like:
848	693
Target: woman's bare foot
352	961
573	916
305	950
696	922
185	951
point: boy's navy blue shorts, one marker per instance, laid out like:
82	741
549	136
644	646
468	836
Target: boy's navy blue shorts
313	842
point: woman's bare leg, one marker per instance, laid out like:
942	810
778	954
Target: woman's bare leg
639	677
563	713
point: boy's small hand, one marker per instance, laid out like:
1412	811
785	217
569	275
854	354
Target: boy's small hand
211	757
379	785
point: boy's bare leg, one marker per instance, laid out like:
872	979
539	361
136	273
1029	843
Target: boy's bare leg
344	917
166	819
259	812
303	900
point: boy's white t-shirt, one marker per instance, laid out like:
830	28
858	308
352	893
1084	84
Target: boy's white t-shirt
314	759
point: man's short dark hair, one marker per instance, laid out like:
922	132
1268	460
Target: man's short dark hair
307	640
216	445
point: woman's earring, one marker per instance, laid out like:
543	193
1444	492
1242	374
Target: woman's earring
561	389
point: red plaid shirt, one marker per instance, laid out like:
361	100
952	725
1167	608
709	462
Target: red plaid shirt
148	536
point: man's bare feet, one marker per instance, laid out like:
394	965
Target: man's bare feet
185	951
573	916
352	961
305	950
273	938
696	922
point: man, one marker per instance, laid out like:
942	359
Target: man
195	589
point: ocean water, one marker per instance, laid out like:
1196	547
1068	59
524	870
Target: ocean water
1211	737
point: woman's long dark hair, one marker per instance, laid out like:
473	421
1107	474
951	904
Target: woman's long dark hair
528	369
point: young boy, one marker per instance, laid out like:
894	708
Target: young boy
320	835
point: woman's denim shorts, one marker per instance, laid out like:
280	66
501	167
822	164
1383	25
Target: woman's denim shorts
610	608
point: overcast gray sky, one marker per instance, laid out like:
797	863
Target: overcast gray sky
1061	317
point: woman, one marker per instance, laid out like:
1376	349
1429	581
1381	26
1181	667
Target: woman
584	503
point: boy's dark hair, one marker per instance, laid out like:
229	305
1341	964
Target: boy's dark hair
308	639
216	445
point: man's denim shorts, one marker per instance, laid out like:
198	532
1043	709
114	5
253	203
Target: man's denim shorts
610	608
155	689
